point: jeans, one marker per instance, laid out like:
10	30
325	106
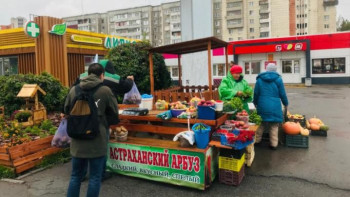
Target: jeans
79	166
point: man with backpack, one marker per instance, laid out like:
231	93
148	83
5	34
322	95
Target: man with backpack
87	106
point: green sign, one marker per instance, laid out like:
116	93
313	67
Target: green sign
59	29
32	29
179	167
111	42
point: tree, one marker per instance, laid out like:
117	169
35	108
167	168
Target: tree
132	59
343	24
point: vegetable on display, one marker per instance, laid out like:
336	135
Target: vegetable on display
235	104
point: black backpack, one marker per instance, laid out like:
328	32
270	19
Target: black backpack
82	122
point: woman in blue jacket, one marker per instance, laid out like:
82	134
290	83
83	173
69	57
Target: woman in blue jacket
268	93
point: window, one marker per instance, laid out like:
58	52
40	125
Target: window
8	66
264	16
252	68
251	30
145	22
326	17
218	31
251	4
217	6
251	12
217	23
290	66
234	13
102	20
264	25
217	14
251	37
230	31
251	21
174	71
219	70
264	34
234	22
328	65
326	26
326	8
230	39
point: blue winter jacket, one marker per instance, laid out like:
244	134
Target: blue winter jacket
268	93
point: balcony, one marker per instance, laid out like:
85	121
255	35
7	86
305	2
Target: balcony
263	2
234	8
238	16
264	10
175	29
264	29
330	2
175	37
235	25
264	20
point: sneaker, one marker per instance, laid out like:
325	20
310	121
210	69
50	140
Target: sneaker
273	147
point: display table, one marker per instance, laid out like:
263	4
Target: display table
163	160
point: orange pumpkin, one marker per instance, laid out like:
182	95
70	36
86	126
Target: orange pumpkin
314	127
314	121
291	128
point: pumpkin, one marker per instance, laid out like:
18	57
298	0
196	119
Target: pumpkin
305	132
314	127
291	128
315	121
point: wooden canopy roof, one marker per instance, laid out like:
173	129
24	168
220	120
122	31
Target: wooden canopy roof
30	90
191	46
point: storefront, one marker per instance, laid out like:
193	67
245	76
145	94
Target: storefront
45	44
325	59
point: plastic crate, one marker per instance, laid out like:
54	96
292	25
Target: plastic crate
237	145
231	153
301	121
319	133
229	177
206	112
298	141
227	163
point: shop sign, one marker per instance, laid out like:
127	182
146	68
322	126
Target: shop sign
59	29
289	47
86	39
177	167
32	29
278	48
111	42
298	46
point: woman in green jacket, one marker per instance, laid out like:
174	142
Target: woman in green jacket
234	85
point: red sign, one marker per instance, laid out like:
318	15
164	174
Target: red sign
301	46
267	63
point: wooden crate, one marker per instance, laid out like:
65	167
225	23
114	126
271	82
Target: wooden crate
26	156
249	158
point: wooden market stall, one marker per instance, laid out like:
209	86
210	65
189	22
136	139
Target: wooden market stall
157	157
193	46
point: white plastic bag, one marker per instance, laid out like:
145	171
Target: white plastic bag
133	96
61	138
188	135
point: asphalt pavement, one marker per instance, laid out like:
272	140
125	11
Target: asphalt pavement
321	170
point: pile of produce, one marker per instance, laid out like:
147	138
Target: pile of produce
242	116
191	109
316	124
206	103
292	128
194	101
120	133
295	116
243	136
247	93
162	105
255	118
234	105
179	105
240	125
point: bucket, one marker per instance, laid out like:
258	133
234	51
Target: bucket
201	136
219	105
147	103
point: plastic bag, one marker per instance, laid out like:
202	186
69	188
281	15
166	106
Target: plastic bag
133	96
61	138
165	115
188	135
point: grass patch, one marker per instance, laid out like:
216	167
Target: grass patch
6	172
57	158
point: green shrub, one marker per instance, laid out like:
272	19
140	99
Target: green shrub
11	85
23	116
132	59
6	172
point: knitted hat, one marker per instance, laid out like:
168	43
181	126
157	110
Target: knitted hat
271	67
236	69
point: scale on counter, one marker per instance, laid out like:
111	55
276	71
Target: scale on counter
135	111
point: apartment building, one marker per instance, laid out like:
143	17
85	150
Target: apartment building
251	19
160	24
88	22
18	22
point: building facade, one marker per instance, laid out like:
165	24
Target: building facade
251	19
159	24
18	22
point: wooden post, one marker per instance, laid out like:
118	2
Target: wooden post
151	72
36	102
226	56
209	70
180	69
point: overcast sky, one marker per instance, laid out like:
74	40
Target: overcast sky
62	8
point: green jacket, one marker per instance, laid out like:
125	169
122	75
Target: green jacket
107	105
229	88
